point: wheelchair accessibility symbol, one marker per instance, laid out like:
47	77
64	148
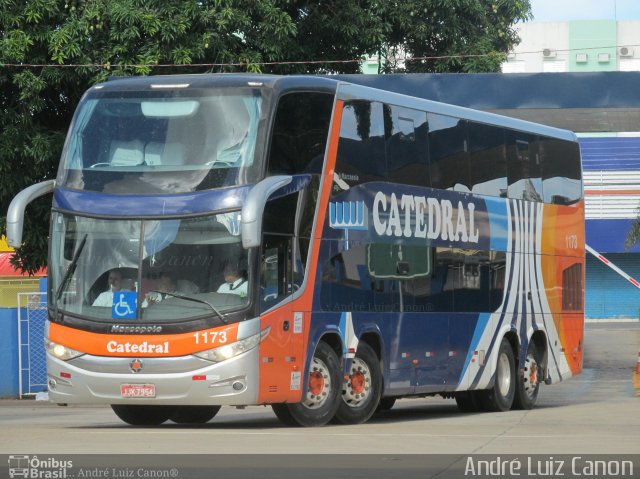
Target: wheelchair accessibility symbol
124	305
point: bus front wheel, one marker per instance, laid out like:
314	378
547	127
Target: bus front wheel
141	415
321	399
361	391
500	396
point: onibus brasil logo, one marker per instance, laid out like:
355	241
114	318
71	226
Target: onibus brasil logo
34	467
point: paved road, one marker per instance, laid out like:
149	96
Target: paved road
595	412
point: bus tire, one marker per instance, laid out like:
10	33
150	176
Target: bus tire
468	401
142	415
500	396
528	383
194	414
321	399
361	392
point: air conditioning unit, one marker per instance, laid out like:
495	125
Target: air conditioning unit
548	53
625	51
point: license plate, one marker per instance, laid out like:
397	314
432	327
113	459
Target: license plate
138	390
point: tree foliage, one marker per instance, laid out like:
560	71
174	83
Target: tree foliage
457	35
633	237
81	42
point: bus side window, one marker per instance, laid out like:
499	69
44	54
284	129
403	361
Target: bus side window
524	169
300	133
274	270
488	158
562	180
361	149
448	153
406	146
276	273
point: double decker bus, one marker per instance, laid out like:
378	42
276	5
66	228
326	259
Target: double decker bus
318	246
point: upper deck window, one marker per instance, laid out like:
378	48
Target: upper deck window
300	133
169	142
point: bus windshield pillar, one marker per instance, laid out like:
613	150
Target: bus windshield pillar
253	209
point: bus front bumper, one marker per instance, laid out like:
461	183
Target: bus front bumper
185	380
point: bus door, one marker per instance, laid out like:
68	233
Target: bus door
277	354
282	354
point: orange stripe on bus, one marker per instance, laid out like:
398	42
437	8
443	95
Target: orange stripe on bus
324	198
142	345
281	380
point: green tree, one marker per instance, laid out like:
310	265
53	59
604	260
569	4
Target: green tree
81	42
633	237
454	36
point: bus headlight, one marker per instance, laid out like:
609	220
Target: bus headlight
231	350
61	352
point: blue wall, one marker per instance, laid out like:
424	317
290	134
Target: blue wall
609	295
8	352
608	236
9	361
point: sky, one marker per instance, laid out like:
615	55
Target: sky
565	10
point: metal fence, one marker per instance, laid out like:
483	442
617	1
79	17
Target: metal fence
32	315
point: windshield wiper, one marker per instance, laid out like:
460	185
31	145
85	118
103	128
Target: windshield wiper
195	300
71	269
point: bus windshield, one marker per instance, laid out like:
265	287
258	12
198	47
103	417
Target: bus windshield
154	141
159	264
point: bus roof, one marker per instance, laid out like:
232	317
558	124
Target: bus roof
217	80
346	91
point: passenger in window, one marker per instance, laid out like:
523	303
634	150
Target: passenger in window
105	298
235	281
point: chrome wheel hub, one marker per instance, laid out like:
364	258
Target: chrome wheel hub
319	385
357	388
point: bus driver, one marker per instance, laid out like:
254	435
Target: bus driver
115	284
234	281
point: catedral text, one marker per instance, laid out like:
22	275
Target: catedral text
424	217
144	347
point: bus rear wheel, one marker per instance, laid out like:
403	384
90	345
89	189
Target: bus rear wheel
500	396
194	414
321	399
361	391
529	382
142	415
